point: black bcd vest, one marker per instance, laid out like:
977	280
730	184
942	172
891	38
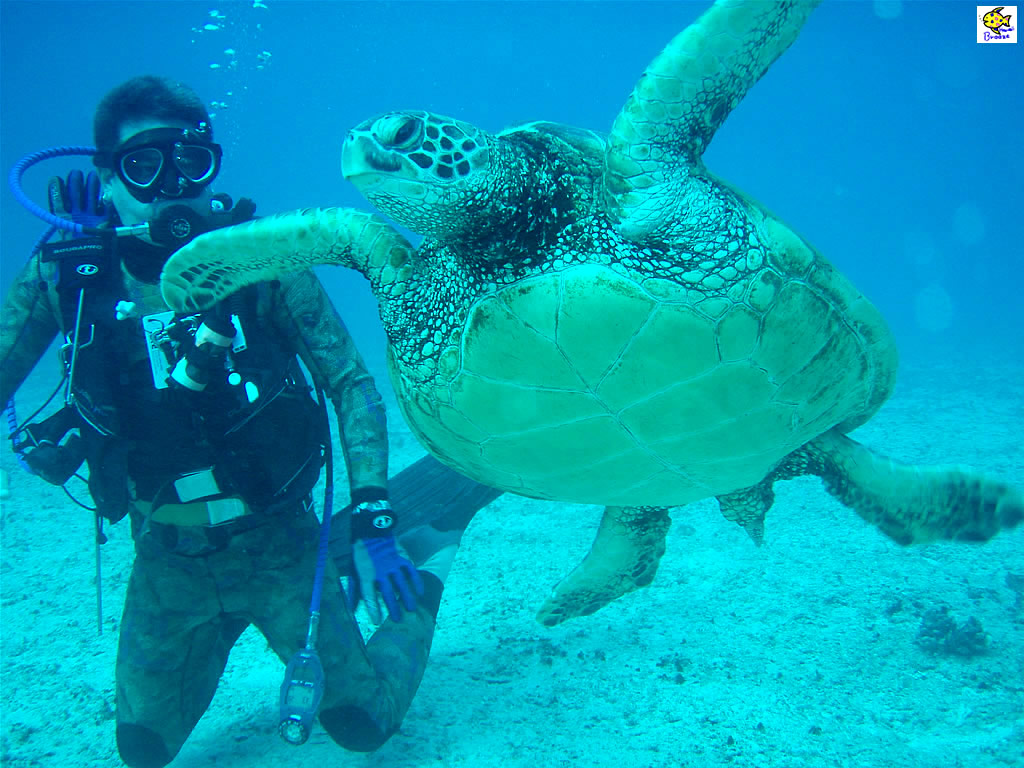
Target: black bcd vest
138	439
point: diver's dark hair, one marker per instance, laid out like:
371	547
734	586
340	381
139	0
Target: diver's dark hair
146	96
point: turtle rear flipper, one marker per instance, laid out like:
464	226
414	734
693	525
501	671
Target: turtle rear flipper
748	507
624	557
912	504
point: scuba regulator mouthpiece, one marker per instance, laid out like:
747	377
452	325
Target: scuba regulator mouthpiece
173	227
176	225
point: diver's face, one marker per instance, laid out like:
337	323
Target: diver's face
130	210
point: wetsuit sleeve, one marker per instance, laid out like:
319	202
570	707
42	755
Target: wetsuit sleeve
28	324
329	352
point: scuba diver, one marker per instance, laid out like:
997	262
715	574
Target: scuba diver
204	431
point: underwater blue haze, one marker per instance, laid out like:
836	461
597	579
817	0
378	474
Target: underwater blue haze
893	144
887	136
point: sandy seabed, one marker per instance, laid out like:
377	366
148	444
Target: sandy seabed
799	653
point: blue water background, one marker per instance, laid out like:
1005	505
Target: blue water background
893	145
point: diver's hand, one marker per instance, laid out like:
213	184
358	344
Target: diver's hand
78	198
381	570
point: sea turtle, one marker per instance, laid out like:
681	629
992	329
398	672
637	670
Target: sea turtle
601	320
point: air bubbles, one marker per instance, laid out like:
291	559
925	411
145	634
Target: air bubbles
229	42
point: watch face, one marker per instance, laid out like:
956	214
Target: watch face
382	515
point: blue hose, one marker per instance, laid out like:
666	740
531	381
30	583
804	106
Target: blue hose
18	170
55	222
325	526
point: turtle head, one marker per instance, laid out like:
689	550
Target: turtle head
428	172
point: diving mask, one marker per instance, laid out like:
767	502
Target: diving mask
167	163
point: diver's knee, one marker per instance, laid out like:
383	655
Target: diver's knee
353	729
140	747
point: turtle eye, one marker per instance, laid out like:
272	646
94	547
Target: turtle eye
405	135
399	131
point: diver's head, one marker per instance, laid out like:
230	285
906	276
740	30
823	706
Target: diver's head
154	149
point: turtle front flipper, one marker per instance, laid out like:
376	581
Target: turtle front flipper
680	101
912	504
220	262
624	556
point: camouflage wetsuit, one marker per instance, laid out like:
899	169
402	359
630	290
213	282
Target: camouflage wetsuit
193	589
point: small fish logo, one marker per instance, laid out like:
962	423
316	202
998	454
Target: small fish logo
995	20
996	25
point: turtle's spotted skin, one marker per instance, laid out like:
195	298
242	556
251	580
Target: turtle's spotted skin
602	320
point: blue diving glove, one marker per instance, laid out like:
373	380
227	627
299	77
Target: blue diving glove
78	198
381	570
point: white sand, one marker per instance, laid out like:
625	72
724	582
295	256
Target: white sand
797	654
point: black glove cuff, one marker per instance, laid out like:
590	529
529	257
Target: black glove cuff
373	523
367	493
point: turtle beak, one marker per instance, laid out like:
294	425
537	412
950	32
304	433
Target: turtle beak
362	156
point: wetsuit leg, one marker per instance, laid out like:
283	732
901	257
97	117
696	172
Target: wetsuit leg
173	646
368	687
395	660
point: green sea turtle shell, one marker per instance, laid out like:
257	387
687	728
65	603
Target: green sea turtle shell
606	378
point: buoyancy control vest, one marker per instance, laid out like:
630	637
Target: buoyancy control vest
249	429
